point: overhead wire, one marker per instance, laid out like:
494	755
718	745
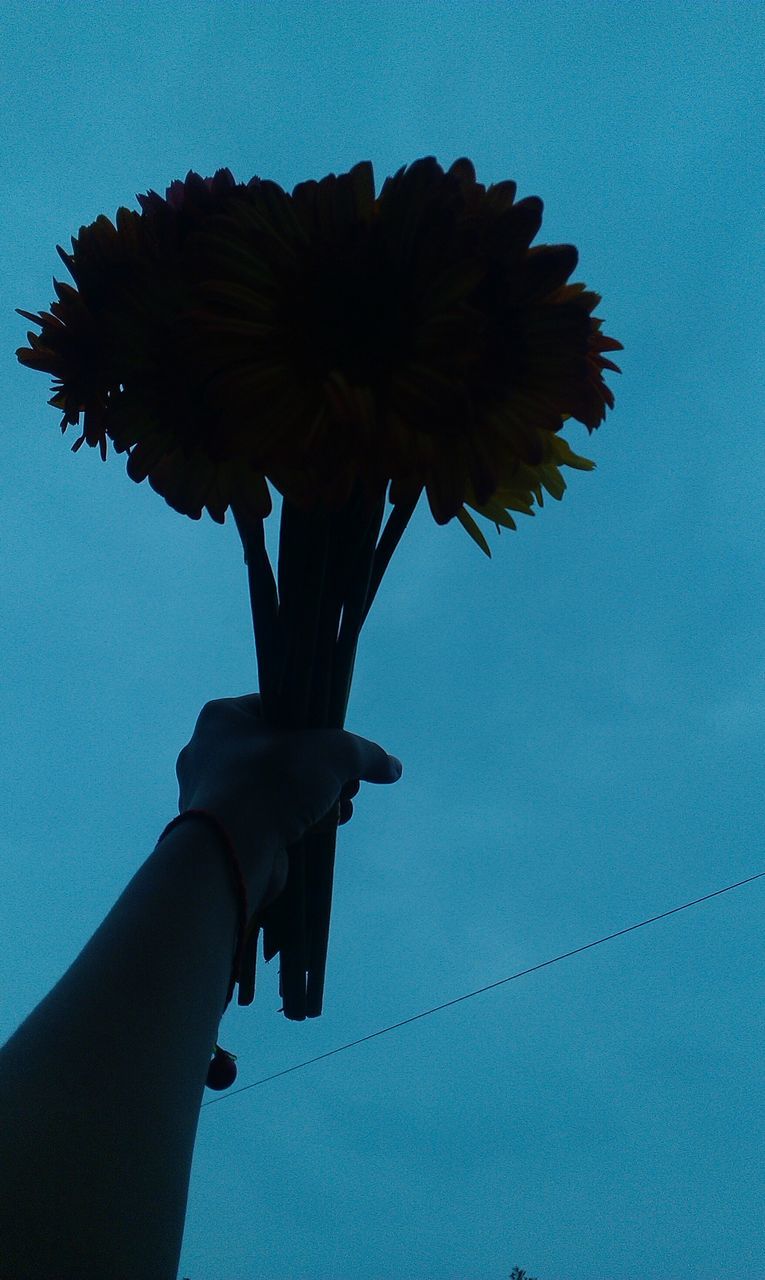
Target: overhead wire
447	1004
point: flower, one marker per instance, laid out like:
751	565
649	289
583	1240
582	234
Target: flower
118	348
330	338
345	346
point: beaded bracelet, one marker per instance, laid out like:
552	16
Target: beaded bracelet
241	890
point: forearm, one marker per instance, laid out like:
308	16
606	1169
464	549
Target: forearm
100	1087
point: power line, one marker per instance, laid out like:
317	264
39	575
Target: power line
522	973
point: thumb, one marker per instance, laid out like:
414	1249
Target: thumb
368	761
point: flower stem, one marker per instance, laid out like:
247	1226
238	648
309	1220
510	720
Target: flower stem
304	545
356	531
270	657
305	582
391	536
306	634
354	613
265	611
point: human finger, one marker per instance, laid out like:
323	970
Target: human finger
345	801
367	761
250	703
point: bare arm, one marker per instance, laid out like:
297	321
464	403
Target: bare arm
100	1087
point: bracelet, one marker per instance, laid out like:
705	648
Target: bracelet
241	890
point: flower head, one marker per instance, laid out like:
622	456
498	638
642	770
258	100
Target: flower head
330	338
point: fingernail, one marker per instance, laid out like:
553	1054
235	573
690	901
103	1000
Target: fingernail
396	766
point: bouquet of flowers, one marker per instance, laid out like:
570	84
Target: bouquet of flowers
353	350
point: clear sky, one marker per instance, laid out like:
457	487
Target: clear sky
580	718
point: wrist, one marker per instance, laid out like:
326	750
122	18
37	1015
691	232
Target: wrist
211	830
255	849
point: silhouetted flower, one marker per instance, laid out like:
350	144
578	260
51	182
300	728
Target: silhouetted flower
347	347
329	337
119	348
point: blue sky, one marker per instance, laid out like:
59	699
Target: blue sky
580	718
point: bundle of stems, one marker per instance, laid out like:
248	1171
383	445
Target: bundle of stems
307	626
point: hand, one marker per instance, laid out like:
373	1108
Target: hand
268	787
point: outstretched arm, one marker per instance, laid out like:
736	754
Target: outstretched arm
100	1087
